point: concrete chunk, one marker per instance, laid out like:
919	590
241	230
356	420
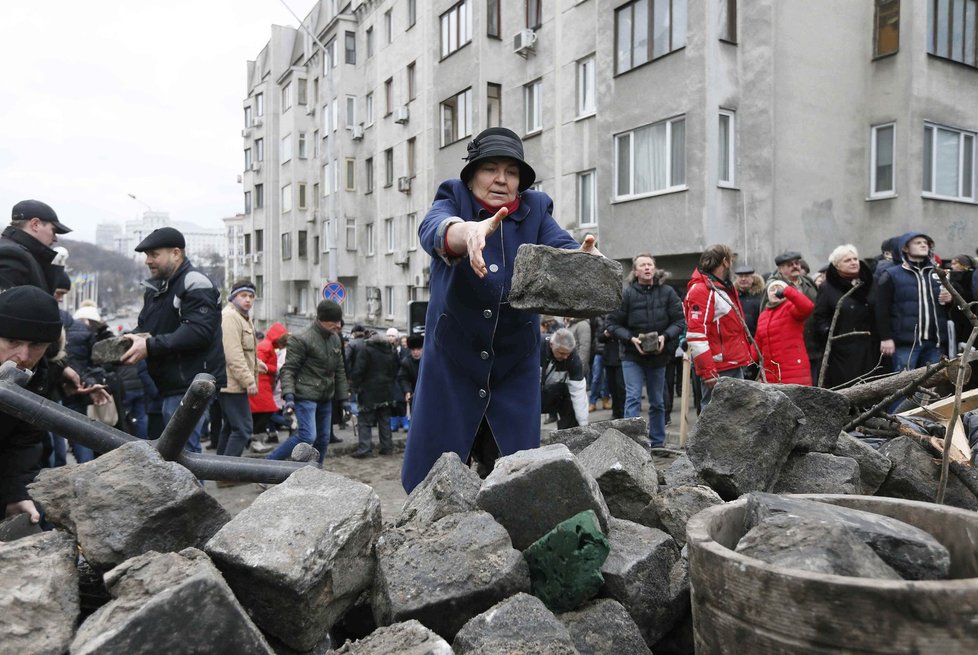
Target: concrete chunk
521	624
169	603
579	438
603	627
127	502
445	573
448	488
561	282
301	554
674	507
38	593
565	564
818	473
624	471
682	472
826	412
553	479
407	638
873	465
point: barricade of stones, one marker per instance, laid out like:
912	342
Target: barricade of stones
574	547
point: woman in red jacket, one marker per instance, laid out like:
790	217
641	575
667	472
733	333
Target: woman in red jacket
263	403
780	334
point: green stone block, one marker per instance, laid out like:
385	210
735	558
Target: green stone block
565	564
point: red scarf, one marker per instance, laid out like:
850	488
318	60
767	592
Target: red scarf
511	206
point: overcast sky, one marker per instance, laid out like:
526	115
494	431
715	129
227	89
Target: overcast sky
104	98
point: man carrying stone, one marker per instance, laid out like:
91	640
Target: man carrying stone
790	270
312	376
26	256
29	323
179	327
648	306
715	334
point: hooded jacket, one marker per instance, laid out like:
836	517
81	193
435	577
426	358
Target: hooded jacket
907	309
373	373
781	339
264	400
716	337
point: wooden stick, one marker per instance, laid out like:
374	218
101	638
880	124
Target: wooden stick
684	402
831	337
900	393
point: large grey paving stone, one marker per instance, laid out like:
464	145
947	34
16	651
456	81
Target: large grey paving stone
531	491
111	350
674	507
916	473
813	545
681	472
127	502
743	437
826	412
641	573
449	487
624	471
38	594
604	627
405	638
521	624
18	526
873	465
910	551
301	554
562	282
445	573
174	603
578	438
818	473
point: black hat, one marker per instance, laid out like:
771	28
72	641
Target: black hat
744	269
25	210
241	285
30	314
329	311
163	237
415	341
787	256
965	260
493	143
358	328
64	282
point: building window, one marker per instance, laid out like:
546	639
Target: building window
315	143
247	244
327	179
494	105
952	30
351	174
286	245
287	97
368	174
949	163
586	210
412	13
370	42
642	35
389	301
260	104
534	14
492	18
388	26
369	108
287	198
315	195
726	148
368	236
388	167
533	101
728	20
330	60
412	146
412	231
247	206
456	28
456	117
351	111
335	113
886	36
286	148
259	286
259	149
412	88
302	195
388	96
302	248
651	159
585	86
259	240
350	48
300	86
327	239
248	119
259	197
303	150
248	160
315	250
351	234
389	235
881	152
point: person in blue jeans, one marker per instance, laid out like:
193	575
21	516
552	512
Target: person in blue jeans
312	376
647	306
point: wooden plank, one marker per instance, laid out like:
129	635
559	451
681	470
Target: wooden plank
941	409
684	402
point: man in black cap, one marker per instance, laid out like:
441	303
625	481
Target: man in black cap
29	323
26	255
750	290
790	270
179	328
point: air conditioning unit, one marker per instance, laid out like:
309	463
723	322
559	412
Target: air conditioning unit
401	114
245	132
524	42
256	257
311	110
239	179
404	184
357	132
256	121
290	309
256	166
401	258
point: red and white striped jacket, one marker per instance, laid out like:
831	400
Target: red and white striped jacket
716	337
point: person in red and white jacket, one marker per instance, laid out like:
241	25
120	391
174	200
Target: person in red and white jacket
714	329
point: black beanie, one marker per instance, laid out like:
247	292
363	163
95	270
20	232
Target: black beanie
30	314
329	311
64	282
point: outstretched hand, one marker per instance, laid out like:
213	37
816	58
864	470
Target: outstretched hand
475	240
588	245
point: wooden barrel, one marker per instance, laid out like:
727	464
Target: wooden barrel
744	605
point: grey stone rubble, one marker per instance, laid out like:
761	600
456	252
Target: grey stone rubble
17	527
624	471
38	594
579	438
916	473
825	411
127	502
519	624
564	282
405	638
818	473
301	554
873	465
448	488
111	350
682	472
173	603
673	507
603	627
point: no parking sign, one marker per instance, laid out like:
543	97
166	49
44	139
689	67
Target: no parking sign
334	291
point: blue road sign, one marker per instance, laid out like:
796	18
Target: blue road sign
334	291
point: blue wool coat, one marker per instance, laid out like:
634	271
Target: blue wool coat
481	357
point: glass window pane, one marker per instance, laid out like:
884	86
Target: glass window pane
971	8
968	166
724	149
662	21
948	144
942	34
678	146
623	168
650	158
928	158
884	159
678	24
640	22
623	60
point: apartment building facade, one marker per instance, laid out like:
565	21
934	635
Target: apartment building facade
660	125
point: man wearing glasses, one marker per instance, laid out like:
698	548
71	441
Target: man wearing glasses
790	270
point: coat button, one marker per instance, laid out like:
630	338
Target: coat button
482	393
487	313
493	268
484	355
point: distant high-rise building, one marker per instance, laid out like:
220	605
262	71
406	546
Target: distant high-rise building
106	235
200	241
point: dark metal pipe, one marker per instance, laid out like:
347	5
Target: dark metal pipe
239	469
181	425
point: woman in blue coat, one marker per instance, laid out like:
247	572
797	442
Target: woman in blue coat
478	391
